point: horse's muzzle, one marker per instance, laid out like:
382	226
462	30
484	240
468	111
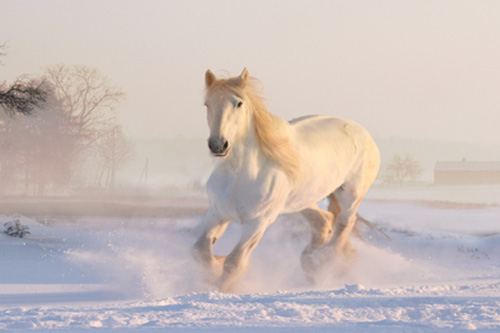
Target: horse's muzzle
218	147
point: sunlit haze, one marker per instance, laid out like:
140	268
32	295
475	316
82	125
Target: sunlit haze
413	69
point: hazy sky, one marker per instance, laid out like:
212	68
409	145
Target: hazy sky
417	69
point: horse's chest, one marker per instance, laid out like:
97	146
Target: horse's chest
243	198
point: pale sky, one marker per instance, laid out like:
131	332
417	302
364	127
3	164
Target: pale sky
413	69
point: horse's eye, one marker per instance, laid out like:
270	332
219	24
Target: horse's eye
240	103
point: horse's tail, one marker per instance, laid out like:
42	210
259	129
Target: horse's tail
369	224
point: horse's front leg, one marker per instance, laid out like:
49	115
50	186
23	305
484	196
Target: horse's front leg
237	261
213	227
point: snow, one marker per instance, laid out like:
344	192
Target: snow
440	271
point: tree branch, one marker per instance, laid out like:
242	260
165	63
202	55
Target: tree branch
23	97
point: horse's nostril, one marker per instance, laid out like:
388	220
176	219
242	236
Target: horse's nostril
218	146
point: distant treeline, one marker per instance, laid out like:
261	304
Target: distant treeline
72	139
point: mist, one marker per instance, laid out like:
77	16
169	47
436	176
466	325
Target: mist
421	77
420	70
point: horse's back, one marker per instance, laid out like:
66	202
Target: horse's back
316	125
344	136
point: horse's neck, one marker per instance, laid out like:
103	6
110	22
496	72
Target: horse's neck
246	155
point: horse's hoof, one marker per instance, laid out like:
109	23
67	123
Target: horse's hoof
346	252
225	287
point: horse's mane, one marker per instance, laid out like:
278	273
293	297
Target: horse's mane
272	133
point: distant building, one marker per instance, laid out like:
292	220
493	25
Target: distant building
467	172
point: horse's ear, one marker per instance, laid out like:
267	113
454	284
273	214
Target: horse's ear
209	78
244	75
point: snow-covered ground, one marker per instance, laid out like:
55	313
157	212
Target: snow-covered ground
439	271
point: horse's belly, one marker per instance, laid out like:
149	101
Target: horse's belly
315	190
324	172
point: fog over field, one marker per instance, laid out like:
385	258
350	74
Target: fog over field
421	76
187	162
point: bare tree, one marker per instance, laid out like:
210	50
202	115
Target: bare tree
23	96
88	99
36	150
44	151
402	170
114	149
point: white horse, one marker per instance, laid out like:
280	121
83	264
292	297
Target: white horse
269	166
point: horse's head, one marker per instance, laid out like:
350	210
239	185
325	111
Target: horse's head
228	113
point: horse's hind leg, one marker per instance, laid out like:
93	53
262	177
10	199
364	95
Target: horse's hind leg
334	208
349	199
321	223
